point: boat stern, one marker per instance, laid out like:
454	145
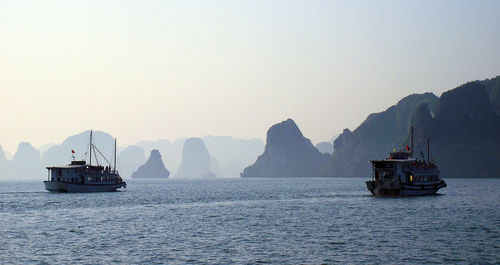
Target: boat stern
381	187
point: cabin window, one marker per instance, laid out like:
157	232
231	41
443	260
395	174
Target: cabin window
384	174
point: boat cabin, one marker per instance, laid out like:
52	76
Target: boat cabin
401	166
78	172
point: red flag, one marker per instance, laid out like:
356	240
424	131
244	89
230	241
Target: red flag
407	148
72	151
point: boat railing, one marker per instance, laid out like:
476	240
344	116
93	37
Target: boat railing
422	165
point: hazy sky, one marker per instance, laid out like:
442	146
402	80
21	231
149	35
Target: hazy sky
146	70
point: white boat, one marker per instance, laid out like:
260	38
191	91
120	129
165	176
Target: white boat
402	174
82	177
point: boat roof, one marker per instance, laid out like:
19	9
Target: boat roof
67	166
394	160
74	164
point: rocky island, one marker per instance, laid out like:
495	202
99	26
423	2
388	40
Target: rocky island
463	126
287	154
196	161
153	168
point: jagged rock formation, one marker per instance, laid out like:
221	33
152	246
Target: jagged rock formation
153	168
375	137
129	160
196	161
215	168
287	154
325	147
463	127
493	89
173	150
465	132
27	163
232	154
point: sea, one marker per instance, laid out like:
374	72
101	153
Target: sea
250	221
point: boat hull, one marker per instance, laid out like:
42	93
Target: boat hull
394	188
56	186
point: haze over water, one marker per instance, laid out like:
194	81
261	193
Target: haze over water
149	70
249	221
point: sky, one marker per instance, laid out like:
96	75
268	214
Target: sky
148	70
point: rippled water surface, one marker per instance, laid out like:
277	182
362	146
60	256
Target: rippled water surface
250	221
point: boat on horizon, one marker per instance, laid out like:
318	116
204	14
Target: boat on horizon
403	175
79	176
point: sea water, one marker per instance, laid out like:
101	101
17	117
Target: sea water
248	221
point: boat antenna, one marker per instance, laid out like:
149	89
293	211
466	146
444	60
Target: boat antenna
90	147
114	166
412	140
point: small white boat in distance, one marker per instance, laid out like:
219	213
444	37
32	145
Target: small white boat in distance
82	177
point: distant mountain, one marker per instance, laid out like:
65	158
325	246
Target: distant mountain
129	160
8	155
5	166
493	88
231	154
332	140
153	168
375	137
172	151
61	154
196	161
45	147
27	163
325	147
464	133
463	127
215	168
287	154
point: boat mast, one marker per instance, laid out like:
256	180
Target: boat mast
90	148
114	166
412	141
